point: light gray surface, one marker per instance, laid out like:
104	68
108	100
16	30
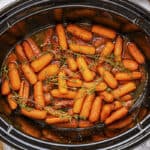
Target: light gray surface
143	3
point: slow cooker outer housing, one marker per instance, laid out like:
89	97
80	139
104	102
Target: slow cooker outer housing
22	10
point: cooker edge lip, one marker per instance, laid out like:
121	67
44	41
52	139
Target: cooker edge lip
82	144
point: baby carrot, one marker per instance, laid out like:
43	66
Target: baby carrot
5	89
33	46
108	77
107	50
20	53
41	62
124	89
11	58
126	97
130	64
34	113
85	123
38	95
84	49
72	63
128	76
106	110
108	97
54	120
29	74
72	82
96	109
24	91
101	86
78	101
87	104
83	67
27	49
103	31
69	95
13	76
79	32
136	53
61	36
118	48
118	114
50	70
121	124
12	103
62	85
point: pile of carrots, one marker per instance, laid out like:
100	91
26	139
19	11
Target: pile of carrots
79	76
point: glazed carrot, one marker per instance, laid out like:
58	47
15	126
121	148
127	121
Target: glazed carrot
126	97
33	46
72	74
5	89
14	76
87	105
38	95
100	86
108	97
11	58
78	101
108	77
85	124
107	50
130	64
24	91
48	36
48	134
61	36
54	120
69	95
86	73
117	105
41	62
20	53
50	70
124	89
118	114
79	32
46	87
28	128
118	48
27	49
29	74
71	124
72	82
11	101
136	53
34	113
62	84
121	124
103	31
128	76
47	98
72	63
58	104
96	109
106	110
84	49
